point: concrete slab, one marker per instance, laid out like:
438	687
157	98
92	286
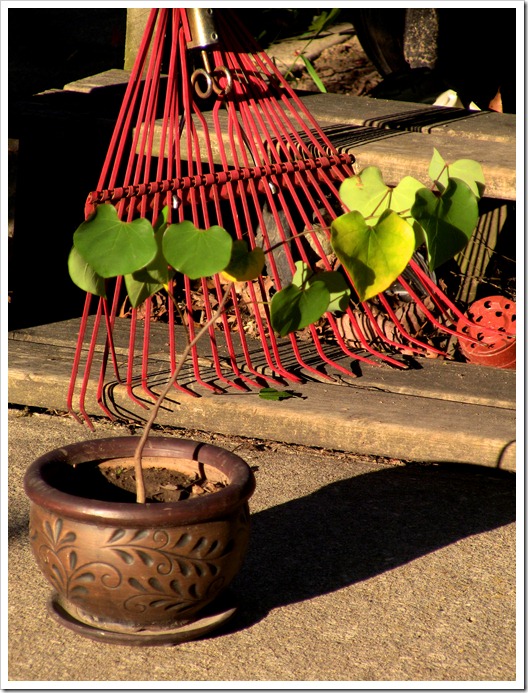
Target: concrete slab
357	571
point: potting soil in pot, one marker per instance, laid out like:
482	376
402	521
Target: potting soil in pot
118	484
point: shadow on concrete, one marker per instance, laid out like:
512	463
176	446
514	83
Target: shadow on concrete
352	530
355	529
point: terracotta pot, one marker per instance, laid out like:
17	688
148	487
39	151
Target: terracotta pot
490	348
145	574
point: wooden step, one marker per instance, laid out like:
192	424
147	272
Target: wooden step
440	412
397	136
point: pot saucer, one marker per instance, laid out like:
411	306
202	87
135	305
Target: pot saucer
213	616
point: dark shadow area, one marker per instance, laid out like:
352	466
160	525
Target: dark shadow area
423	120
473	54
62	140
355	529
477	57
17	526
63	137
49	47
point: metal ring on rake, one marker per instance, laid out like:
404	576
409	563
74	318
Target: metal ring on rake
212	81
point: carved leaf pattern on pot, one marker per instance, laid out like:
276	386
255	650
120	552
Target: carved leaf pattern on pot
169	571
58	556
192	560
168	597
186	551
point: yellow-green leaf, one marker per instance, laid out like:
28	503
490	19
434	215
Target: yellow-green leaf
373	255
365	193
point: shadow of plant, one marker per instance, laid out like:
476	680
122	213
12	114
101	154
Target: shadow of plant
354	529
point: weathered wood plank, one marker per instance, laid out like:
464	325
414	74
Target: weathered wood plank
402	152
375	113
364	420
413	117
399	137
441	412
409	154
433	378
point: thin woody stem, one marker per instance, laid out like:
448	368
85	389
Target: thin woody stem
292	238
140	481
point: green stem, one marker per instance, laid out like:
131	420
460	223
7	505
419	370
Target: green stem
140	481
301	53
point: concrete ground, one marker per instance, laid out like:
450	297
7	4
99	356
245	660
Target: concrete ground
360	569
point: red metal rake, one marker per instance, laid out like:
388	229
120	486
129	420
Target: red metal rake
209	127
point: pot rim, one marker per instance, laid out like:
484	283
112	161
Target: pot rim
241	483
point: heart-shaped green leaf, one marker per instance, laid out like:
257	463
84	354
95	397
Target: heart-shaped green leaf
471	173
448	220
292	308
113	247
337	287
438	169
83	275
244	265
299	304
152	278
373	255
365	192
197	252
403	196
464	169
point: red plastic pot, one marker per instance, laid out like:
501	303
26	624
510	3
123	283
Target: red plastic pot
491	348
